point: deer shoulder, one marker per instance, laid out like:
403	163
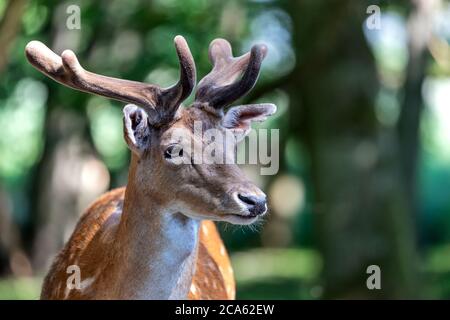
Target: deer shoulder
90	243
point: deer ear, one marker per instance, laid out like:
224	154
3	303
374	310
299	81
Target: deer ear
136	128
239	118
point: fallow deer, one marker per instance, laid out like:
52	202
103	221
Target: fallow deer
154	238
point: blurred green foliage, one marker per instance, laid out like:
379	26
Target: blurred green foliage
133	40
20	289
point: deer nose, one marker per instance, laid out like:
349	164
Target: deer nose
257	205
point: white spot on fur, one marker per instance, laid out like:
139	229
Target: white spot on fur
66	293
205	230
193	289
230	292
86	283
83	285
222	250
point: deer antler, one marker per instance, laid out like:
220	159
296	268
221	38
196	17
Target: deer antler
218	89
161	104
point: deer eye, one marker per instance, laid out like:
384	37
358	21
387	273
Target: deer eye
173	151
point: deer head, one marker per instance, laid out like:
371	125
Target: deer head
160	133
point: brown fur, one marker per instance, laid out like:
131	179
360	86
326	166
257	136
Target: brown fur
88	249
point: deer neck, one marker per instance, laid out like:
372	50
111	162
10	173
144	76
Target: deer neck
157	248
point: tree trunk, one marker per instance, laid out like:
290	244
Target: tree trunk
420	26
360	213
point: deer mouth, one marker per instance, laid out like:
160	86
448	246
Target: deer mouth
237	218
247	217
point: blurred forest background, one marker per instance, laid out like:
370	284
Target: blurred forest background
364	119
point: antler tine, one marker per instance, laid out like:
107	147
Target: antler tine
173	96
218	88
187	68
66	70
